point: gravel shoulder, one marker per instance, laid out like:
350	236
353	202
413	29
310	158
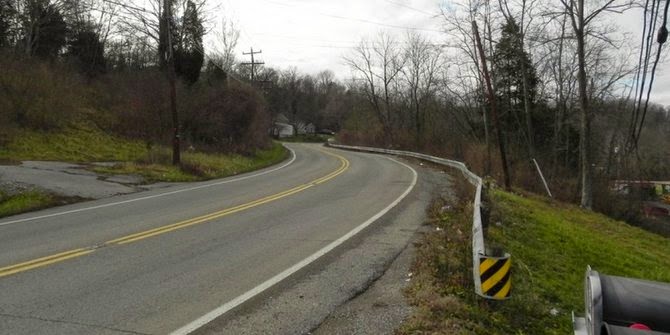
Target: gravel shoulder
380	309
66	180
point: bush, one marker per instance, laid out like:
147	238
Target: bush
229	119
137	103
38	95
48	96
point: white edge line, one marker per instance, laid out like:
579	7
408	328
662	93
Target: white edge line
293	157
209	317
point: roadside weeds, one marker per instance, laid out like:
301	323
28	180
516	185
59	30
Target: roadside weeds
87	145
551	244
195	166
30	200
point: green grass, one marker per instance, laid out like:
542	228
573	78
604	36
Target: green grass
24	202
197	166
551	244
76	144
83	144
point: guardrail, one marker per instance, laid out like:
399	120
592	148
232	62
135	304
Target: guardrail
491	274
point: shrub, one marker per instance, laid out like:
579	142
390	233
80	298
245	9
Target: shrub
38	95
138	104
230	119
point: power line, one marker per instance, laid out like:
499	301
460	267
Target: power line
242	30
126	6
662	37
302	38
639	113
380	24
354	46
360	20
433	15
348	43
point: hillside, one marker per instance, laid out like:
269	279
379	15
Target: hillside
551	244
87	144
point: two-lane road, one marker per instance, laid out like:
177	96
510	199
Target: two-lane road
157	261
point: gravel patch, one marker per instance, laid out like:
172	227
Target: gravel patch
63	179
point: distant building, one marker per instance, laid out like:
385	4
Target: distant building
283	127
281	130
306	129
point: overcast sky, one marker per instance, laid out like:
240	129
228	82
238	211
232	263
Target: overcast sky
314	35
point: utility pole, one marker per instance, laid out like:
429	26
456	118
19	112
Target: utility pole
492	102
176	152
253	63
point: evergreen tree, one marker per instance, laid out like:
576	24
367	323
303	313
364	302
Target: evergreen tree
510	61
189	56
46	30
88	52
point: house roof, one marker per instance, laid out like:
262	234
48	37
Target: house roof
281	118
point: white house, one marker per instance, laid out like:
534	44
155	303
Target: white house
282	127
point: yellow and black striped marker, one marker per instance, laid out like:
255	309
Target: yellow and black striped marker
496	280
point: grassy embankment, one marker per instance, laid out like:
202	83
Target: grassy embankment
86	145
24	202
551	244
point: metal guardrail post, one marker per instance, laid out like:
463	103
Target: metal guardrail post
491	275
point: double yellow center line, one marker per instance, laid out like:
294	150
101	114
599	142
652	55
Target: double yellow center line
44	261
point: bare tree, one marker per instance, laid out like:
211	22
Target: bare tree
421	76
469	76
580	20
378	64
98	15
325	81
228	39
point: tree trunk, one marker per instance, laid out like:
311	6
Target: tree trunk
492	101
487	168
417	121
560	107
528	111
585	126
176	151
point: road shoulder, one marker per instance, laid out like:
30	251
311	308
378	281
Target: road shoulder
303	302
380	309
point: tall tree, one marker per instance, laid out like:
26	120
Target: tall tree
379	66
420	74
526	9
189	56
45	30
515	82
88	52
229	36
580	20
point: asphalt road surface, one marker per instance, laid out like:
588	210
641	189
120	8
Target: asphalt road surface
173	259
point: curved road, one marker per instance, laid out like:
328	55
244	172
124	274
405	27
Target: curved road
157	261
